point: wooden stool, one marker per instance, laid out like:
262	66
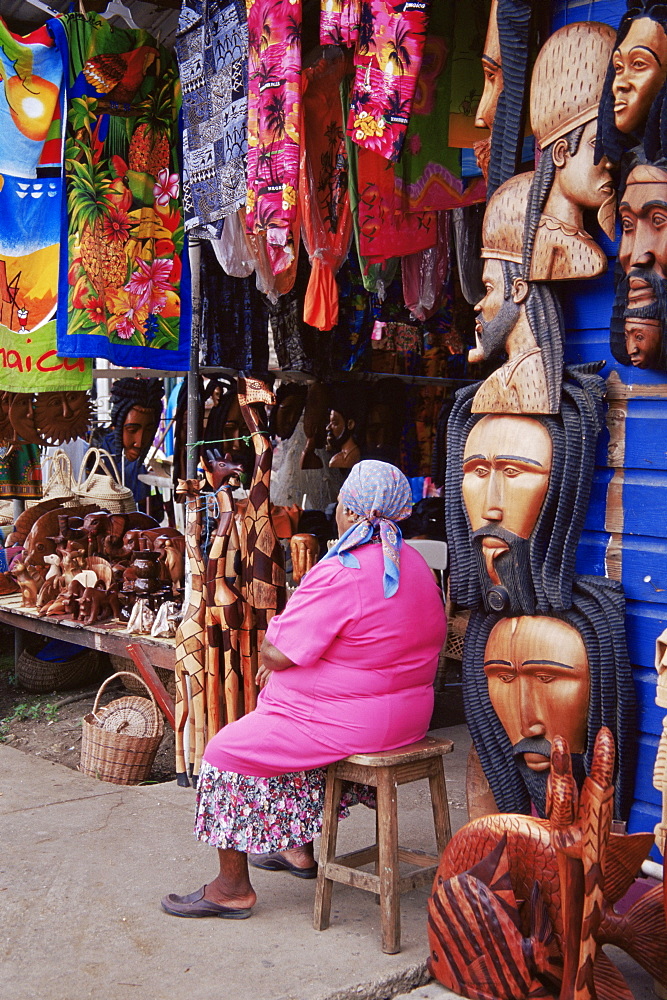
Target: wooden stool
384	771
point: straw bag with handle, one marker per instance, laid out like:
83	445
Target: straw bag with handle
103	486
119	741
60	482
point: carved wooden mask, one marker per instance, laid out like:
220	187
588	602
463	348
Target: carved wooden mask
539	685
506	468
640	70
62	416
493	73
640	309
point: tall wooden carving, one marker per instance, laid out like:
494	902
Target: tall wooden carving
263	577
190	644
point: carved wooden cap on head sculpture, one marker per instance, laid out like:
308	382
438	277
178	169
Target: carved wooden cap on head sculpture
639	315
567	180
515	316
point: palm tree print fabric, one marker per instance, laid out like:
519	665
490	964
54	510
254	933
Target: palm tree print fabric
212	52
274	109
121	274
339	22
388	57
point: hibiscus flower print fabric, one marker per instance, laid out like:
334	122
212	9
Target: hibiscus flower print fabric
388	55
123	292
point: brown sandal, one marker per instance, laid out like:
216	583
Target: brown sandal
194	905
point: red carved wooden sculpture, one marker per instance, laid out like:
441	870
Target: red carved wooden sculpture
580	870
263	578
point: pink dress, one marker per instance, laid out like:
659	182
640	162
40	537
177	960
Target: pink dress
363	672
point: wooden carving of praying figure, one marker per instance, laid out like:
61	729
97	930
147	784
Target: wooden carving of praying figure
568	181
515	316
639	314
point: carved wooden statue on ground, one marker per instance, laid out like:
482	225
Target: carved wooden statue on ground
521	906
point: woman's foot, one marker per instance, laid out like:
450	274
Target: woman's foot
297	861
221	892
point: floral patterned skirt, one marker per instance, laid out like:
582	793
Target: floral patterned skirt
260	815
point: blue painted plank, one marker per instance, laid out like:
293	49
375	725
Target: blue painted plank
647	748
567	11
649	715
643	624
645	495
587	304
644	573
591	553
646	434
597	506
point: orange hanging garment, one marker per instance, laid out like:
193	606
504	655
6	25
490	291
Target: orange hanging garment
323	189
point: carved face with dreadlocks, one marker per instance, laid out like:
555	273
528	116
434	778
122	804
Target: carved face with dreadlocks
136	406
528	679
517	494
639	314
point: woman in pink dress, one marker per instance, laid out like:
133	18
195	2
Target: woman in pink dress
348	667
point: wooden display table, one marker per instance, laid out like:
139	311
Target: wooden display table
107	637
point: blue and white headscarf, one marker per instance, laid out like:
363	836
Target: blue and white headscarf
380	495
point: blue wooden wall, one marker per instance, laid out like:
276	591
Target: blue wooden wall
587	308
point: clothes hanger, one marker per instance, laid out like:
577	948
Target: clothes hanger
117	9
45	7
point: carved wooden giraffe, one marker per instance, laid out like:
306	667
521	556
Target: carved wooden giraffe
224	611
263	577
190	642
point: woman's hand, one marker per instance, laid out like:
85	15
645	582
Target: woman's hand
262	676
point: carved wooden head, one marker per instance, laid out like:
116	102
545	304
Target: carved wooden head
62	416
493	73
640	70
539	685
574	59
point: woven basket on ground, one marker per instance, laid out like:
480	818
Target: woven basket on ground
135	682
119	741
40	676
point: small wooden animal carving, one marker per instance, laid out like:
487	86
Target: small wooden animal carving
28	583
98	604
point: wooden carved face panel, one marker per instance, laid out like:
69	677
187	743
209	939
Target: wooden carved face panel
493	73
539	685
640	307
506	468
640	68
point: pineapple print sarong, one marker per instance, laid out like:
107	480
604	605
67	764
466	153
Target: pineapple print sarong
124	285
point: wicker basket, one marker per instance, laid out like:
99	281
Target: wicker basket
133	680
40	676
119	741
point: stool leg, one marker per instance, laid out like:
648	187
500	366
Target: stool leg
390	912
324	886
440	805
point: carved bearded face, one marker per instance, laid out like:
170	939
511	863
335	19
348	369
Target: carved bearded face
539	685
640	67
643	212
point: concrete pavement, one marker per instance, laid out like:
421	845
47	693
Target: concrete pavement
83	865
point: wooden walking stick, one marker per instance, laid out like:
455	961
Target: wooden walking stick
190	641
